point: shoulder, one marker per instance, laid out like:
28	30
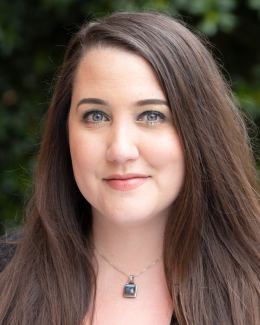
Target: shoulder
8	245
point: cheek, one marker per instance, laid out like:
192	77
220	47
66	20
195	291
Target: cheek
166	157
165	152
85	154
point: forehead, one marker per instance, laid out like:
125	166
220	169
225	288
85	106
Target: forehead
111	70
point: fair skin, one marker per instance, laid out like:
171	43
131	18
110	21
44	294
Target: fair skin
120	138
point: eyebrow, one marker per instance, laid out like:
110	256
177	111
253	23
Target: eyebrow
96	101
152	102
144	102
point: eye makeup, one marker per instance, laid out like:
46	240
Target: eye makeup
93	112
160	120
151	114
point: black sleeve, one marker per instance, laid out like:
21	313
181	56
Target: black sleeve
7	248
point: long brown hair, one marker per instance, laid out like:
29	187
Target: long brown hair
212	239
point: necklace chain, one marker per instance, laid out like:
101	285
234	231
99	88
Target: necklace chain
123	271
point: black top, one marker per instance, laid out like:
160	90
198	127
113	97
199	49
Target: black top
7	250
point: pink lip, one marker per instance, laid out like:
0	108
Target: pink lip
126	176
126	182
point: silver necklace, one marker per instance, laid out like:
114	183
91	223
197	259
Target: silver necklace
130	289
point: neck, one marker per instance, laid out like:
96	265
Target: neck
130	247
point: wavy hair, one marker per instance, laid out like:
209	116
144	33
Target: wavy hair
212	237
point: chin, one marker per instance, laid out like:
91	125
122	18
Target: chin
122	217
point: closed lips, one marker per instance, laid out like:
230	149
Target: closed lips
126	182
126	176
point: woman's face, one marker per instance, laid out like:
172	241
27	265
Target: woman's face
119	124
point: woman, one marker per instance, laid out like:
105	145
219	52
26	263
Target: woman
145	179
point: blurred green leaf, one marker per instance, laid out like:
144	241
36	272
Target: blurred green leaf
227	21
254	4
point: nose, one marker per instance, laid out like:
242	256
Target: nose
122	146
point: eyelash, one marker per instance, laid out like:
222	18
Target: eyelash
95	111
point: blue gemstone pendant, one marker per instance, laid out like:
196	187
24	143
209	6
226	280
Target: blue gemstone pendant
130	289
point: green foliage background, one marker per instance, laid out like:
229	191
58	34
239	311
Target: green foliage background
33	37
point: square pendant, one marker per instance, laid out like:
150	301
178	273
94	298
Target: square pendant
130	290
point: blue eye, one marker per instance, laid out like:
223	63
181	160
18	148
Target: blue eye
94	117
97	117
153	117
